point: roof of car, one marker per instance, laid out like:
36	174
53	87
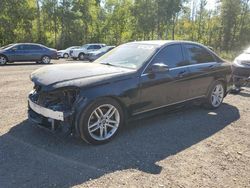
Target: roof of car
162	42
27	43
95	44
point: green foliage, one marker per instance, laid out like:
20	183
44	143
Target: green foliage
62	23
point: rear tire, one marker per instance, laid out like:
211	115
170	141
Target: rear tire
3	60
101	121
46	60
215	96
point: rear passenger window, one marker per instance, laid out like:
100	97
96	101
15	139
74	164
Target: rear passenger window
197	54
27	47
35	47
97	47
171	56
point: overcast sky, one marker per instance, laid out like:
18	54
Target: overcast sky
211	4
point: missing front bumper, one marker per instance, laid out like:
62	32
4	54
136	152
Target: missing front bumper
48	113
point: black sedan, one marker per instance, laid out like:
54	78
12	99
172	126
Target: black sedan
26	52
94	100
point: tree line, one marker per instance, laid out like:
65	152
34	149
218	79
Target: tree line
62	23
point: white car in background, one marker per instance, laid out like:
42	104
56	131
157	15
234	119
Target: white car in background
83	50
241	70
65	53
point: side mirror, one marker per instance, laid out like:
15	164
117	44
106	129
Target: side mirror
159	68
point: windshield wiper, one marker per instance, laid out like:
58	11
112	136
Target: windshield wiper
109	64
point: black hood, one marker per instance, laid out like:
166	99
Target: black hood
75	74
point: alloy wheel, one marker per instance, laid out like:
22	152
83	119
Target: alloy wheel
217	95
46	60
3	60
66	55
81	57
103	122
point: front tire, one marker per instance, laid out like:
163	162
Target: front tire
81	56
46	60
66	55
215	96
3	60
101	121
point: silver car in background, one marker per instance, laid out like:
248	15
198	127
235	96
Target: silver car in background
241	70
65	53
92	56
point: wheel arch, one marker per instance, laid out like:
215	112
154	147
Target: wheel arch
224	82
81	53
219	79
46	55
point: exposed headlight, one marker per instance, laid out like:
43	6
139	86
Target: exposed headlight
60	100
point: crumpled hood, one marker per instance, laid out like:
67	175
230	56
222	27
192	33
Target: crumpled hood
54	74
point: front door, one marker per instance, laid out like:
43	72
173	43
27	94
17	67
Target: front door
19	53
165	88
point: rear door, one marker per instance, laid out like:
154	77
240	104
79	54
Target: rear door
170	87
34	52
203	66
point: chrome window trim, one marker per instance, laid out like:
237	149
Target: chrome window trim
187	66
156	108
182	43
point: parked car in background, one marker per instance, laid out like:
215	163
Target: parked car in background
65	53
92	56
93	100
26	52
241	70
83	50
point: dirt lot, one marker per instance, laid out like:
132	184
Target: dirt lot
190	148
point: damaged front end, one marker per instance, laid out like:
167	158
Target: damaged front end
241	73
53	109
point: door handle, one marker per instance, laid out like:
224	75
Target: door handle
182	73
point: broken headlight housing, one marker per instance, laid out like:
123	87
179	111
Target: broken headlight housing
58	100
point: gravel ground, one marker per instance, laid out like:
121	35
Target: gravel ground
190	148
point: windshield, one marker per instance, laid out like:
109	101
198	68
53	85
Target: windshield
7	46
104	49
128	55
85	46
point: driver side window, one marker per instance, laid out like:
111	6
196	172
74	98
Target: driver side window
171	55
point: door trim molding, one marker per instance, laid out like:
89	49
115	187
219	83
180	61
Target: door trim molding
156	108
